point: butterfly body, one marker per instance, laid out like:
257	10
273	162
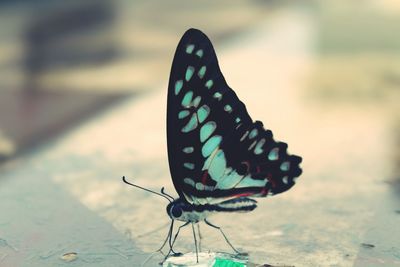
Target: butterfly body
183	211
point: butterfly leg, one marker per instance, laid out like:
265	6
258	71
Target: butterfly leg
168	236
200	237
226	239
172	242
195	243
177	232
162	246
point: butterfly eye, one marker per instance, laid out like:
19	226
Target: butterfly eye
243	168
176	211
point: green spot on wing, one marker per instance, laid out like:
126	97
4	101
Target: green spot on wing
247	181
189	48
273	154
228	108
196	101
191	125
206	130
202	113
217	167
182	114
199	53
188	149
187	99
209	84
285	166
217	95
253	133
258	149
189	73
211	145
202	71
178	86
237	120
188	165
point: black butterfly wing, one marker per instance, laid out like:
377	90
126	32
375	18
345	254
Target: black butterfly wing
215	150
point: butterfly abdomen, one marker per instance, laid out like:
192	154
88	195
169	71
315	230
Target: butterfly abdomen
183	211
242	204
195	213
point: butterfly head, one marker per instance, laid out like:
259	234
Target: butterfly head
176	209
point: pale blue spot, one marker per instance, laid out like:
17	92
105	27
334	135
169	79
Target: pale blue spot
218	95
199	186
273	154
202	113
285	166
189	181
188	165
196	101
258	150
253	133
195	200
199	53
228	108
228	180
209	84
187	99
208	188
202	71
206	130
247	181
237	120
191	125
188	149
178	86
252	145
189	48
285	179
183	114
211	145
244	135
207	163
218	166
189	73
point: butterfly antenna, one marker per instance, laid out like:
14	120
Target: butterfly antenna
145	189
165	194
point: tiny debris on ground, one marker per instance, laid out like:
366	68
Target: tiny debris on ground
70	256
366	245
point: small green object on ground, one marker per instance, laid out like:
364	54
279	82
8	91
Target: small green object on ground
227	263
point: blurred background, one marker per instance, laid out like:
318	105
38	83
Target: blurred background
77	77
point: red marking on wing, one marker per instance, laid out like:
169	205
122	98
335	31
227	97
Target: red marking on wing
271	180
204	178
258	169
264	192
243	195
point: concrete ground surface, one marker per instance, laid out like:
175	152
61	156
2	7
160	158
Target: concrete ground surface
343	212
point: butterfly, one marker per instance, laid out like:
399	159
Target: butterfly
219	158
